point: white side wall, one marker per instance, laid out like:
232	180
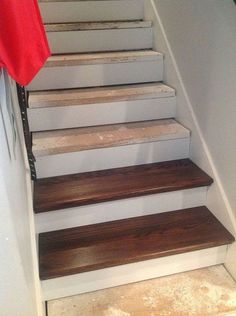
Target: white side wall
199	43
19	287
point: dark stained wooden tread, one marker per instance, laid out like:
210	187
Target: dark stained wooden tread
99	246
93	187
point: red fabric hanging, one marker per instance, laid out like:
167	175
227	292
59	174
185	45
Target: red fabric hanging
23	44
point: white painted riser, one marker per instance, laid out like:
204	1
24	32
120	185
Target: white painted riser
120	209
100	40
97	75
133	272
100	114
86	11
112	157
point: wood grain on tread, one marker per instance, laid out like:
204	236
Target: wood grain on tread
56	98
108	25
93	187
99	246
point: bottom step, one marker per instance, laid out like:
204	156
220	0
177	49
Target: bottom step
131	273
105	245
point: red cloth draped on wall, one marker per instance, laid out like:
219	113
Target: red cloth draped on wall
23	44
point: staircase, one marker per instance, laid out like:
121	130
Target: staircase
116	199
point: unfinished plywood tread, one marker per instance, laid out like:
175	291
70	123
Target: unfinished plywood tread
102	58
93	187
56	98
82	26
85	138
99	246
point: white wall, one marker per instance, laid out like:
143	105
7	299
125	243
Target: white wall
18	285
199	40
202	34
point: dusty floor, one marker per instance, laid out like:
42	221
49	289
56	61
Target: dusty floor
209	291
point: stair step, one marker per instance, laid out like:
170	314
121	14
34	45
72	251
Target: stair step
60	109
85	149
79	139
88	188
99	246
85	11
99	69
84	37
79	26
60	98
103	58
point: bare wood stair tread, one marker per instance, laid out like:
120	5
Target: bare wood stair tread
99	246
82	26
93	187
84	138
102	58
82	96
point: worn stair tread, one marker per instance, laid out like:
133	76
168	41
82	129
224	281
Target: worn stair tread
85	138
99	246
82	26
102	58
62	192
82	96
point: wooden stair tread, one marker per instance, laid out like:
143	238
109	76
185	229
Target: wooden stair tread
93	187
102	58
82	26
85	138
99	246
56	98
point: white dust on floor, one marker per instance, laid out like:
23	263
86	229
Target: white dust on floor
203	292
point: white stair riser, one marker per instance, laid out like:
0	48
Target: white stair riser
120	209
100	40
130	273
100	114
87	11
112	157
67	77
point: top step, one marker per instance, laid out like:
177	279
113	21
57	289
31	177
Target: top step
58	11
